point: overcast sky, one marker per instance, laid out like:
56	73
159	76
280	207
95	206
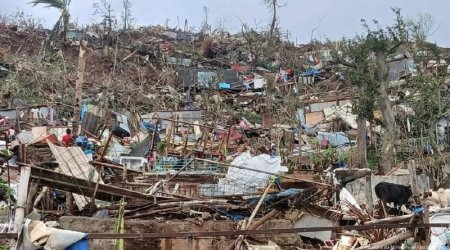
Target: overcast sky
334	18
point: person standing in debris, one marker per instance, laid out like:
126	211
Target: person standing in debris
67	138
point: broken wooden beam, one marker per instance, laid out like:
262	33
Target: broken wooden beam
387	242
390	219
72	184
113	166
22	193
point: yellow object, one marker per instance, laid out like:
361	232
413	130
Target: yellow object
120	225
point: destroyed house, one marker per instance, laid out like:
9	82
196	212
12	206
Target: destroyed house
401	68
204	78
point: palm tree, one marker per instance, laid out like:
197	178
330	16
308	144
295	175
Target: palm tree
63	6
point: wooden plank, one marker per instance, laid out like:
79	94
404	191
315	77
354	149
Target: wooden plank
83	187
21	197
387	242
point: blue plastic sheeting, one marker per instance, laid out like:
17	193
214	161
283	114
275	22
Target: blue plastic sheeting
224	85
336	139
80	245
418	210
148	126
81	141
84	109
274	197
311	72
232	217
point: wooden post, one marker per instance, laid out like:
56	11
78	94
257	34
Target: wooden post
413	182
69	203
426	221
239	240
186	142
31	192
39	197
124	175
105	148
21	198
79	86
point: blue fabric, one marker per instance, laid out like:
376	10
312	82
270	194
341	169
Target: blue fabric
148	126
224	85
80	245
444	247
84	109
418	210
274	197
310	72
335	139
81	141
232	217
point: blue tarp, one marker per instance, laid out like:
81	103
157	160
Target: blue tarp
84	109
224	85
274	197
80	245
311	72
232	217
336	139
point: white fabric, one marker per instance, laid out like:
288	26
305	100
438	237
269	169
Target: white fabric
53	238
259	83
62	239
238	181
438	233
345	195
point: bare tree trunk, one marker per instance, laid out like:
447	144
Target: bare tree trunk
362	143
388	153
66	17
274	17
385	105
79	85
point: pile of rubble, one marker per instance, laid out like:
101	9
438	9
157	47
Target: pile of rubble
185	138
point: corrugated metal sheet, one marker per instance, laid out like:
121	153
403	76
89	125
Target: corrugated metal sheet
11	114
316	107
90	123
179	61
142	148
184	116
115	150
25	137
73	162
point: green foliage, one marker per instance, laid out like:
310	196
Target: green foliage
6	189
328	157
359	70
372	159
252	117
5	247
58	4
161	146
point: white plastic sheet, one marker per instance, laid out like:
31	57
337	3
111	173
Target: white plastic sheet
438	233
239	181
346	196
37	233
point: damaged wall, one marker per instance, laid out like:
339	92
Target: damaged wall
97	225
363	189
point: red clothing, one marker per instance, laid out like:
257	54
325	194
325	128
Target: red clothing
66	139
